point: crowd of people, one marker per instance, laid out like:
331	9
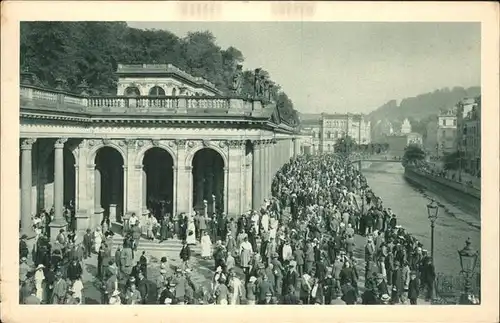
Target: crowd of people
298	248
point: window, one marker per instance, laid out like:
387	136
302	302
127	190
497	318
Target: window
329	135
174	91
132	91
454	122
156	91
444	122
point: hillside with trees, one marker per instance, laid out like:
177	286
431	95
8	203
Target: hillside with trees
422	107
91	51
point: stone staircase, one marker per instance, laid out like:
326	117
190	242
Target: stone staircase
169	246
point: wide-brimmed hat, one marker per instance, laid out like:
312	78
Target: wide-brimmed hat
252	279
40	266
385	298
380	276
218	270
116	293
163	271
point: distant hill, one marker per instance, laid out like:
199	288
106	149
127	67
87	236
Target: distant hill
423	105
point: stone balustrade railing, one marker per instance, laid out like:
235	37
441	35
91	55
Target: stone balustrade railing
34	97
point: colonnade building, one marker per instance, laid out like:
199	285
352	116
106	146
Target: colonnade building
166	136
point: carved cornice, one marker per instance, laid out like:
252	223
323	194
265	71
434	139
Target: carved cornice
27	143
130	143
59	144
180	142
236	143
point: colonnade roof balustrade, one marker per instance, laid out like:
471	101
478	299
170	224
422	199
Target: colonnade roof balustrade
43	103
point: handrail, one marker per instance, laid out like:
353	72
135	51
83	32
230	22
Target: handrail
57	99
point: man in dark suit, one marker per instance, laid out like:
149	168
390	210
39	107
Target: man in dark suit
222	226
185	253
143	288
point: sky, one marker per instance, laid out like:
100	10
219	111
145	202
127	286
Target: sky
350	66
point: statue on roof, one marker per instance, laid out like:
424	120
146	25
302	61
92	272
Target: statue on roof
256	84
237	80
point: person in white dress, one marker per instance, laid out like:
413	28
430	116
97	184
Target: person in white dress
206	246
255	221
190	230
39	282
77	290
98	235
236	290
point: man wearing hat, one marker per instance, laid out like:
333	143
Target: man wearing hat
132	295
413	288
397	283
23	247
167	296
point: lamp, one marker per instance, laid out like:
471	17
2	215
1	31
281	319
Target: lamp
468	258
468	261
432	211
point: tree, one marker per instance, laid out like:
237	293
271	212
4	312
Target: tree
345	144
452	161
413	154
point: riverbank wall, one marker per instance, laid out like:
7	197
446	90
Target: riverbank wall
465	197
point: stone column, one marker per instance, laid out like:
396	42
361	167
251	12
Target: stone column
26	186
262	174
58	222
256	170
266	170
183	195
226	184
200	187
144	192
125	189
97	191
174	190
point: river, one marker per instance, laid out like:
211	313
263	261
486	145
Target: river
408	202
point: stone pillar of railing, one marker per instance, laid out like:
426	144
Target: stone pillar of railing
236	105
182	105
83	87
26	186
58	222
256	107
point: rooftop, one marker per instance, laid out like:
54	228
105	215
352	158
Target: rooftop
162	69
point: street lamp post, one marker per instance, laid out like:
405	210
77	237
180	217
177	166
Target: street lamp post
432	211
468	261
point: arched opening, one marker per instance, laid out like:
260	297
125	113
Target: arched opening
158	169
208	180
156	91
132	91
108	183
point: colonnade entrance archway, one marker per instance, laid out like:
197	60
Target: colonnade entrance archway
208	180
159	191
108	179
